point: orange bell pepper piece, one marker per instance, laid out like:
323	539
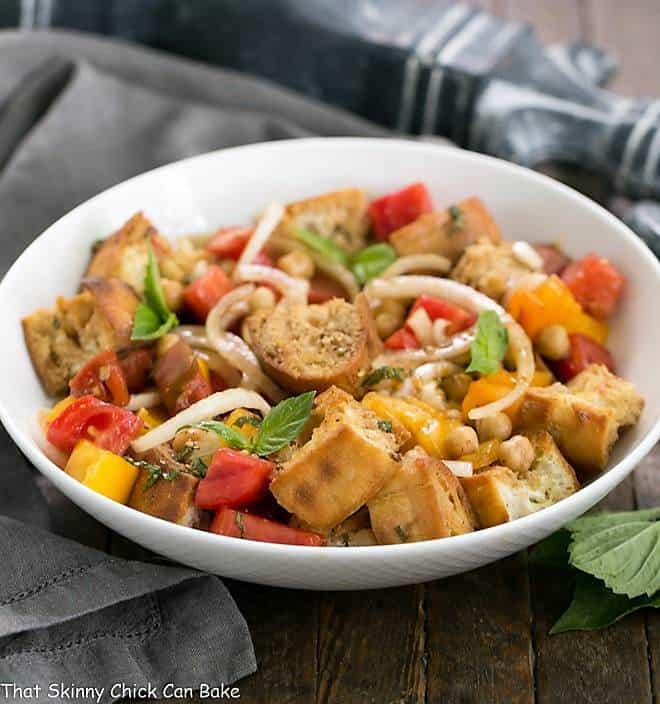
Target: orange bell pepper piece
552	303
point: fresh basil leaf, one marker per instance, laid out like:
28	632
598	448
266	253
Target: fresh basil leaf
148	326
232	437
489	345
377	375
595	606
553	551
626	556
283	423
372	261
153	290
152	318
323	245
606	519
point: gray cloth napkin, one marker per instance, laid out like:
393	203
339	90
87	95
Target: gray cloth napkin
78	115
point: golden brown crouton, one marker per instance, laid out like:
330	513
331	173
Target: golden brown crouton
422	501
447	232
345	463
339	215
62	339
499	495
490	268
584	417
305	347
355	531
171	497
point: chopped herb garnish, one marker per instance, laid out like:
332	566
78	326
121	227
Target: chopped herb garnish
248	420
154	472
385	425
96	245
56	324
198	468
457	219
378	375
345	541
239	522
184	453
403	536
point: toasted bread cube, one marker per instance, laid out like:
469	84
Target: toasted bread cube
345	463
422	501
491	268
499	495
584	417
340	215
355	531
60	340
171	499
314	346
447	232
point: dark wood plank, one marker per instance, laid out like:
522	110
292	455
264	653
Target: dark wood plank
371	647
478	636
284	627
608	666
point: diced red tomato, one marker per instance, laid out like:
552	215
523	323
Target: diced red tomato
322	288
459	318
229	242
584	351
203	293
238	524
554	260
87	418
402	339
103	378
596	285
136	365
263	259
394	210
234	479
180	379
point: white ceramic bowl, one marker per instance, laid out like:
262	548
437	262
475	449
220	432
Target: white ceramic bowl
230	187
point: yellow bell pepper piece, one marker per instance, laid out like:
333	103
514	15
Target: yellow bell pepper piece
486	454
247	430
58	408
495	386
204	369
151	418
102	471
428	425
552	303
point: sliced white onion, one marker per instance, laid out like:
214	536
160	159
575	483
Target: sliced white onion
435	370
420	323
269	221
209	407
417	262
460	469
147	399
408	287
234	349
527	255
292	288
458	345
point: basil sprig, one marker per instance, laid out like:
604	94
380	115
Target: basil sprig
381	373
372	261
281	425
365	264
489	346
615	561
152	318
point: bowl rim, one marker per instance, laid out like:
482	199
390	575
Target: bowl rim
587	495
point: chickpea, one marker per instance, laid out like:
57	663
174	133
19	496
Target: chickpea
393	307
173	292
227	265
495	427
461	441
456	386
389	317
245	333
262	297
553	342
297	264
517	453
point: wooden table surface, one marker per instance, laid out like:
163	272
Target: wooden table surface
480	636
